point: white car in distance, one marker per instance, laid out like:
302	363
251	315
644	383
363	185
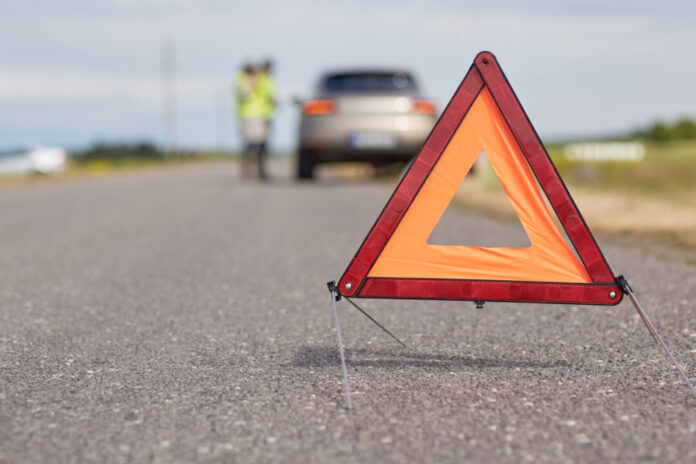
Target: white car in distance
34	160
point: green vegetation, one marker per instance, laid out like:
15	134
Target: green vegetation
103	158
119	151
669	168
661	132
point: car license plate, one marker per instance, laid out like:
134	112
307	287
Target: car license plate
372	140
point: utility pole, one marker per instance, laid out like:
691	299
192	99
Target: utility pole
220	107
169	112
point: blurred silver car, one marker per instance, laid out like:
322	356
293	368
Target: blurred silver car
373	116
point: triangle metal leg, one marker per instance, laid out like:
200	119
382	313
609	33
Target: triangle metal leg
655	335
340	348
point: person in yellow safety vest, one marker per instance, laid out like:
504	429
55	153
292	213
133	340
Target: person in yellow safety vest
266	87
251	110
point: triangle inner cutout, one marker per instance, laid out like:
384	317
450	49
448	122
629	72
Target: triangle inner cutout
407	253
480	186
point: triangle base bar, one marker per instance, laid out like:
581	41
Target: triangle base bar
485	290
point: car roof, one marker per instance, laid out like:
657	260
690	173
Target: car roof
363	71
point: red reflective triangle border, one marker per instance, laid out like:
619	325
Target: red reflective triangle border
485	71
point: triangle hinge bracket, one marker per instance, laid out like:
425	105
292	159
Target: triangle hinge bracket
333	289
623	285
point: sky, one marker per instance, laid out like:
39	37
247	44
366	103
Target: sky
74	72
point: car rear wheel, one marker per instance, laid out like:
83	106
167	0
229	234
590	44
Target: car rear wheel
305	164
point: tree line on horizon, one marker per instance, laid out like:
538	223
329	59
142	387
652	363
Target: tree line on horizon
682	129
120	150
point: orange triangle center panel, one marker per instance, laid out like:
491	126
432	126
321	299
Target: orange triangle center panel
407	253
396	260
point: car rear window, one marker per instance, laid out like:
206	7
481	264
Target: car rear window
370	82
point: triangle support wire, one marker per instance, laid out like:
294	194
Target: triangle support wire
376	323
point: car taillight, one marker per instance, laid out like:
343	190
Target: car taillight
423	106
314	107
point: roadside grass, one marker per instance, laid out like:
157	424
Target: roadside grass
101	167
668	169
104	166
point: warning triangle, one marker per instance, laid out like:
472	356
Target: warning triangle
396	260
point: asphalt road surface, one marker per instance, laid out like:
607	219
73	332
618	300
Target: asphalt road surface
181	315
